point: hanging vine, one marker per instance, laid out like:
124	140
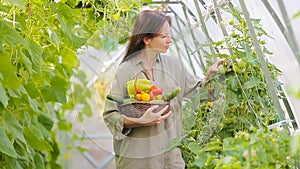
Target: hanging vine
40	80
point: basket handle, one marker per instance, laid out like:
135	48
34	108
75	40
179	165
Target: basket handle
137	75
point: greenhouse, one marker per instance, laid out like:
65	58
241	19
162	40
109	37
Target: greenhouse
60	61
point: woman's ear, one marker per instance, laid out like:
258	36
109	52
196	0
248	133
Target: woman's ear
146	40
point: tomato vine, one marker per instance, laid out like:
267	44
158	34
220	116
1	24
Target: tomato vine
226	122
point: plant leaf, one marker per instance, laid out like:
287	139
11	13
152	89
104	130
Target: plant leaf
54	38
39	161
49	94
36	142
14	126
296	15
87	110
251	83
35	51
9	35
18	3
194	147
26	61
3	96
33	104
64	125
46	121
69	58
60	87
73	40
6	146
175	143
8	72
13	163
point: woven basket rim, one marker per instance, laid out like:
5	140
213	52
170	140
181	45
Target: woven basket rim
137	109
143	102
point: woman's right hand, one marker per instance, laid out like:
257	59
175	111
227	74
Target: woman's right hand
149	118
213	69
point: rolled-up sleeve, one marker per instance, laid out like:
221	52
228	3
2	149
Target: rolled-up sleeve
191	83
112	117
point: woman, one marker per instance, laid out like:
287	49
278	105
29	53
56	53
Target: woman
140	143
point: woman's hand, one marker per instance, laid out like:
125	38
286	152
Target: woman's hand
149	118
213	69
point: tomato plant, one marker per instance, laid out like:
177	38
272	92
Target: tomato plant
226	121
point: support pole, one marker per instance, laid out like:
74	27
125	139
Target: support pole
262	62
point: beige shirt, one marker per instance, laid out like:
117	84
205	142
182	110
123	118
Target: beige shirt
145	147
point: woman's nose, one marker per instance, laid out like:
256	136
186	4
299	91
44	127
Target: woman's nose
170	40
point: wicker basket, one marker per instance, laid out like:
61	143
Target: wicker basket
138	108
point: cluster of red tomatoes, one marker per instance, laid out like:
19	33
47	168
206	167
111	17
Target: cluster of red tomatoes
155	93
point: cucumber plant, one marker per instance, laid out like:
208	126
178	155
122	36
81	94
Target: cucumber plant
40	77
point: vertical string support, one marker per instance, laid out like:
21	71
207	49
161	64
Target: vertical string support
281	27
203	26
262	62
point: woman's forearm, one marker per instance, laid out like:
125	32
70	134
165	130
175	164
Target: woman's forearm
149	118
130	124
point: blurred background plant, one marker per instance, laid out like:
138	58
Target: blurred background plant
41	84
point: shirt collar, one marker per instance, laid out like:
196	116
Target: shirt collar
137	60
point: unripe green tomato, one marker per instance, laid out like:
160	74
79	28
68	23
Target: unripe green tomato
259	34
262	93
246	136
243	23
222	69
241	64
252	128
233	34
221	126
262	42
236	69
231	22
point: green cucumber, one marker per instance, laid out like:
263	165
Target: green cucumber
157	101
129	100
116	98
171	94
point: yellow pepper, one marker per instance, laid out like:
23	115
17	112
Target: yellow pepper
142	84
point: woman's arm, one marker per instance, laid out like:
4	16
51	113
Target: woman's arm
149	118
213	69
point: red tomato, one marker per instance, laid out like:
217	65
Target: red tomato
151	96
153	87
156	90
138	91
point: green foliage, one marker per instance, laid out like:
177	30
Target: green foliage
40	79
226	121
296	15
260	148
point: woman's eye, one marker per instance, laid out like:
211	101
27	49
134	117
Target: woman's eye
164	36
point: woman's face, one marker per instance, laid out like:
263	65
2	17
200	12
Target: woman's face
161	42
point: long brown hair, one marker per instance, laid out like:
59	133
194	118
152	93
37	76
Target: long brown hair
147	25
